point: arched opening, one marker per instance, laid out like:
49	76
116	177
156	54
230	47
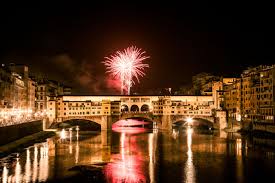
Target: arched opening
133	125
84	125
144	108
124	108
202	123
134	108
197	123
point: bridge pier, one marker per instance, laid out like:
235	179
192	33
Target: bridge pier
46	123
166	122
106	122
221	120
105	138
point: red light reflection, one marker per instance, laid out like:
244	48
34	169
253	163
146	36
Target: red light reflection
130	126
130	130
129	123
129	164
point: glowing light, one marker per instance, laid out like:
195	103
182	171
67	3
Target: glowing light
189	120
17	116
36	171
129	123
63	134
189	166
28	167
239	147
70	146
127	167
125	66
77	134
35	164
70	130
43	163
122	146
18	171
155	126
77	148
5	174
238	117
77	128
151	148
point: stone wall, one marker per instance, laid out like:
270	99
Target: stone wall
221	120
258	126
166	122
246	125
264	127
264	142
14	132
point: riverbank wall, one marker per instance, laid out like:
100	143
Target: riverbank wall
14	132
266	127
22	143
249	126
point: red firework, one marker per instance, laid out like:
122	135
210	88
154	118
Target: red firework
126	65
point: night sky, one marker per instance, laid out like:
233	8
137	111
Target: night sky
68	42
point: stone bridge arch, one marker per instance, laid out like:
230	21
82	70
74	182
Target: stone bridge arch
208	121
145	115
83	124
95	119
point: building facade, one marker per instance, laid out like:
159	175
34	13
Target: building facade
5	88
62	108
251	97
19	95
31	94
232	99
48	88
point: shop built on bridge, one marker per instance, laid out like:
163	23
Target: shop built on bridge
164	110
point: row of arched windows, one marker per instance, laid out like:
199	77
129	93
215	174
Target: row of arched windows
134	108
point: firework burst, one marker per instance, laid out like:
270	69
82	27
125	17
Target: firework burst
125	66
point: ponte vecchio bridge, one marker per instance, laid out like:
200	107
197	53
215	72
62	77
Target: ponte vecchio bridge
164	110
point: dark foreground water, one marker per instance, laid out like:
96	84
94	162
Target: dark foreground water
138	156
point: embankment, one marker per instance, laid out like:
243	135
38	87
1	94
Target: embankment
14	132
20	144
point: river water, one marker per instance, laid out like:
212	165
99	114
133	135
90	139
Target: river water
137	155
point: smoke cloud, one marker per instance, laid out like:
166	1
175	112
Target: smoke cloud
84	76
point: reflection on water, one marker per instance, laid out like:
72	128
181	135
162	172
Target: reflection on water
142	156
33	170
130	164
17	172
63	134
5	174
190	174
28	167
